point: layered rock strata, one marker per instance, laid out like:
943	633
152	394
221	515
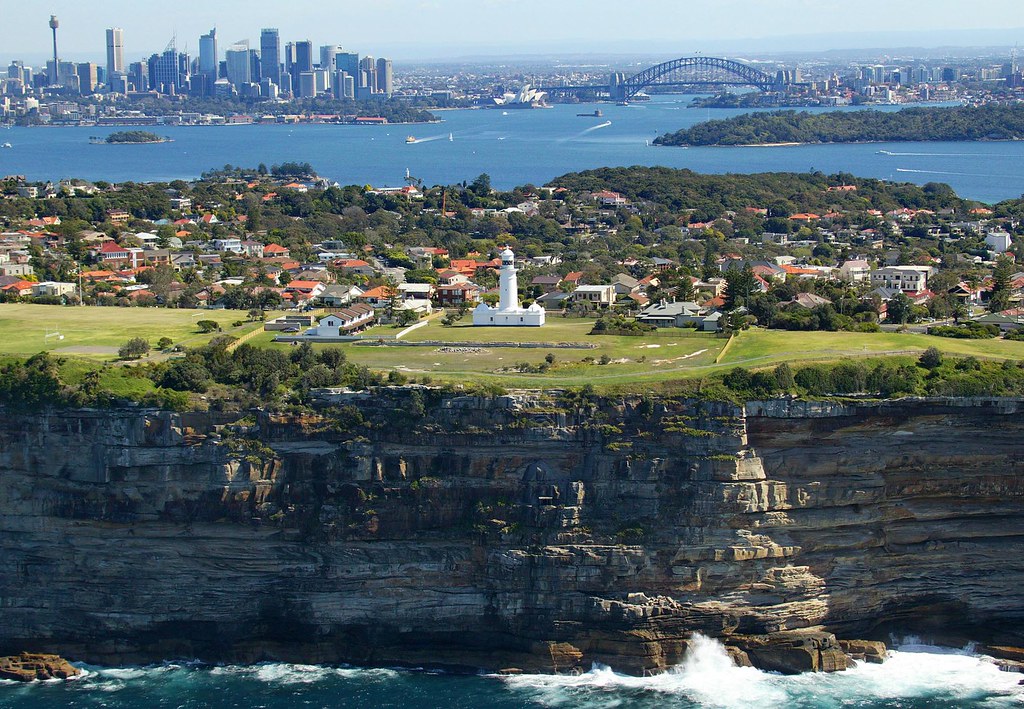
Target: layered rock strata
526	532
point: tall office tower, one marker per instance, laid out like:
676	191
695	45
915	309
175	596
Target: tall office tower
168	72
367	76
347	62
268	89
338	84
238	64
270	55
322	81
307	85
328	52
88	77
302	60
209	62
255	66
56	62
138	76
286	83
385	77
115	51
16	70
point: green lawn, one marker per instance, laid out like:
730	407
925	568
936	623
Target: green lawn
96	332
757	348
651	360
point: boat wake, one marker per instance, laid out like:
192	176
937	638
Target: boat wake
939	155
958	174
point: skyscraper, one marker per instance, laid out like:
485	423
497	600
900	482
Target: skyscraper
270	55
302	60
208	58
238	66
327	54
87	78
385	77
347	62
115	52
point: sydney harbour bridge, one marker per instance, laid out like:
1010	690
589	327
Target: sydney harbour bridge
678	73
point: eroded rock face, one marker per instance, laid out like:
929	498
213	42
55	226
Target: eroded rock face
29	667
529	532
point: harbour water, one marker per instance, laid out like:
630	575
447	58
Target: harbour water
513	147
916	676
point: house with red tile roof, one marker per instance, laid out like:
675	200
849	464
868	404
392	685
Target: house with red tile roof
276	251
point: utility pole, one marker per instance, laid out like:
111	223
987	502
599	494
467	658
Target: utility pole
56	66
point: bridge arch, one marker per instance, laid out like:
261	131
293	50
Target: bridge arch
707	70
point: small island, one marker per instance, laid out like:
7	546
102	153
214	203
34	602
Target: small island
953	124
131	137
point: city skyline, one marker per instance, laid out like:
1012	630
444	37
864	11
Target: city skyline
453	28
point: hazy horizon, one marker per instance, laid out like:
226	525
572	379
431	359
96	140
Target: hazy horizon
431	30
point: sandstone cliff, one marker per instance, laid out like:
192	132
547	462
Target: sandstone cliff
535	531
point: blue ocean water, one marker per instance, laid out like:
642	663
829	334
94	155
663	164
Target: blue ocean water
914	677
513	147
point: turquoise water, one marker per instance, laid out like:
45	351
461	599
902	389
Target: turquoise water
914	677
513	147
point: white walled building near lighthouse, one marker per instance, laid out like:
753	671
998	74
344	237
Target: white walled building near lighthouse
508	313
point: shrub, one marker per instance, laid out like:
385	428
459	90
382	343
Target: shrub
931	358
207	325
164	343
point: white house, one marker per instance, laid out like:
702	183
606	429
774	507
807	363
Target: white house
509	313
855	270
601	295
228	244
998	241
53	288
910	279
342	322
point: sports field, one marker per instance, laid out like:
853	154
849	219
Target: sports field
97	333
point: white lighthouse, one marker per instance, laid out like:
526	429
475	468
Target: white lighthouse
508	313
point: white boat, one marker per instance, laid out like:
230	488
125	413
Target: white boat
410	139
451	137
6	145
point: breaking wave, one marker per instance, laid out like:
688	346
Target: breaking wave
915	676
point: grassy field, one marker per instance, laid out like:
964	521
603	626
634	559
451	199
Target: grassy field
613	362
759	348
96	333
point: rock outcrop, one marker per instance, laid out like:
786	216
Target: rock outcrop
29	667
535	532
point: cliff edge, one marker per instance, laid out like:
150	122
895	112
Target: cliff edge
535	531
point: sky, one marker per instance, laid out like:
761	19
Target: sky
433	29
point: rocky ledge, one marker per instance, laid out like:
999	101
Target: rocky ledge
29	667
535	531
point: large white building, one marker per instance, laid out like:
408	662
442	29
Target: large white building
508	313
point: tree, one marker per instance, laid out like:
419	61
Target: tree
133	348
481	186
406	316
900	309
740	284
1001	288
164	343
207	325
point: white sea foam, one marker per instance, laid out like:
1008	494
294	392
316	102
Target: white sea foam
707	678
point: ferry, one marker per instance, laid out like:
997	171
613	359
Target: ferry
410	139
